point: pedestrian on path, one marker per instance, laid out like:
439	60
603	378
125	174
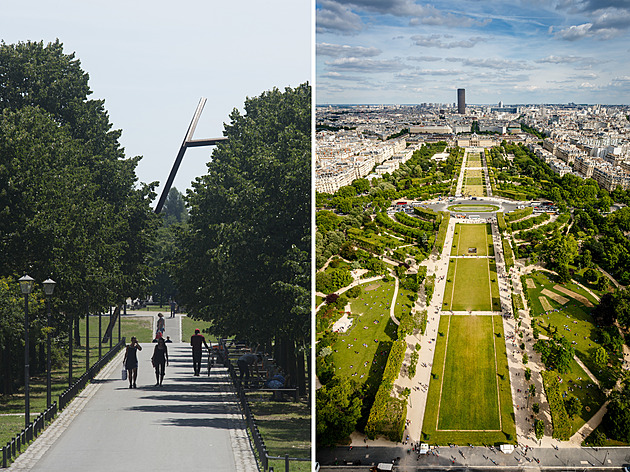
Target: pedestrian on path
196	341
160	360
131	361
160	323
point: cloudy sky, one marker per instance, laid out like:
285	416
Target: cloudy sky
517	51
153	60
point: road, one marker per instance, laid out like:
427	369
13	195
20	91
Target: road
477	458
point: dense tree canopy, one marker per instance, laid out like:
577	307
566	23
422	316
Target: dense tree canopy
70	204
244	262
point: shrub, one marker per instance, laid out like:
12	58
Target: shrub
559	417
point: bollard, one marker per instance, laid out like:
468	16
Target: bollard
286	463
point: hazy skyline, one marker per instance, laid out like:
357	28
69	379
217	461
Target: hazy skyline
153	61
406	51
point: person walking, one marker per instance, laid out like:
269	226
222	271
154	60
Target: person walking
196	341
161	323
160	360
131	361
244	363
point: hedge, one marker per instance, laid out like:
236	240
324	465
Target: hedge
518	214
425	213
429	286
385	221
529	222
507	253
501	221
549	227
415	222
388	414
559	417
511	194
441	234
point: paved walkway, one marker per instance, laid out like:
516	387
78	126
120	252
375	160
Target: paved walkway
190	423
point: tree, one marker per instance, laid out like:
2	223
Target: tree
338	408
70	204
174	209
532	390
600	357
539	428
591	275
616	421
573	406
247	247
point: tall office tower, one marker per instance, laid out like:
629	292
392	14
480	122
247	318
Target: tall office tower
461	101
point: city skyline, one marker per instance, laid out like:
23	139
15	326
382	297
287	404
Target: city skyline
407	52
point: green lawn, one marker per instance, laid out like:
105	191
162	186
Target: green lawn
138	326
286	429
474	190
473	160
469	236
189	325
372	326
477	393
573	320
575	382
469	286
469	399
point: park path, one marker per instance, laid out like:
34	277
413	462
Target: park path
188	423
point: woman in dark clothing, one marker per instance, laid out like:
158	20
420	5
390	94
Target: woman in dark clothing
160	359
131	361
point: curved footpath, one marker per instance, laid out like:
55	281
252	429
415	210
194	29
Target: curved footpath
190	423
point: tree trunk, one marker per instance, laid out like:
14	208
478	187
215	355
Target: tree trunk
301	374
77	333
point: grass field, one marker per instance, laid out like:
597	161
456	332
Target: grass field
286	429
573	320
360	354
478	208
472	236
469	399
188	329
473	160
468	285
448	370
138	326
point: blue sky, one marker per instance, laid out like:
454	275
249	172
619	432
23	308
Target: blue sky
153	60
535	51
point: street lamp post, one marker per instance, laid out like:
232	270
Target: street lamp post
49	288
26	286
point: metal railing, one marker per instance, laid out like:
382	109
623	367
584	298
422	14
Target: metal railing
258	442
28	434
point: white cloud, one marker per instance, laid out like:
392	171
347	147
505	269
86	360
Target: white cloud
342	50
435	41
364	65
336	18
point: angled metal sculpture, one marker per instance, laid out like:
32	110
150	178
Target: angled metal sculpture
188	142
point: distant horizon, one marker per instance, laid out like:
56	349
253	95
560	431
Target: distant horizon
476	104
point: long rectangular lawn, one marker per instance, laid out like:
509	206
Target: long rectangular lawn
469	399
477	236
468	285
